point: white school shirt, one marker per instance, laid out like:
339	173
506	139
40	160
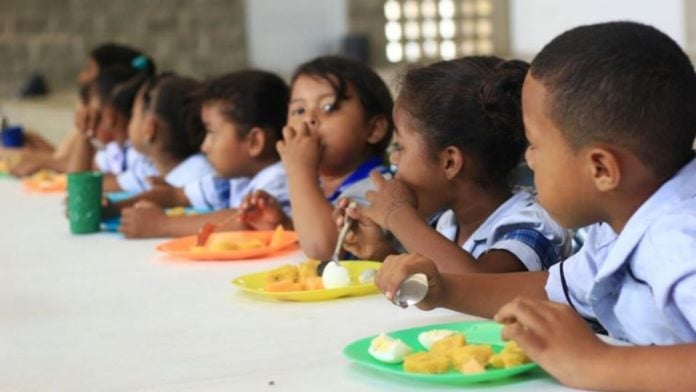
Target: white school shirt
520	226
214	192
640	285
271	179
189	170
112	158
358	183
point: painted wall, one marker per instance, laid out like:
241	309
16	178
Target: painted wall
533	23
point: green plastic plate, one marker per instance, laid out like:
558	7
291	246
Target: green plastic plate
477	332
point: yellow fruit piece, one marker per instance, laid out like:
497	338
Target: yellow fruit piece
471	366
221	245
426	362
479	353
446	346
176	211
314	283
254	243
308	269
284	272
277	237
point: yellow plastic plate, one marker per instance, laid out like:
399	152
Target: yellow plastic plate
254	283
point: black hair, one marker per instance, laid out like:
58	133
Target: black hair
373	93
473	103
119	85
111	54
171	98
622	83
249	99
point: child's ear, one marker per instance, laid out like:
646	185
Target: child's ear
256	141
379	126
604	167
452	161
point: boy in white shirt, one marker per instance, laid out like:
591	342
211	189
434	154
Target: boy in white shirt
609	115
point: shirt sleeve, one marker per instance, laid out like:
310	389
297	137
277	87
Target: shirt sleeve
671	271
571	280
210	192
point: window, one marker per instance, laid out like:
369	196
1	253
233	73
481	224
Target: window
440	29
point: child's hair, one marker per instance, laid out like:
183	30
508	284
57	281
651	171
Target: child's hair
373	93
622	83
112	54
171	99
118	86
249	99
472	103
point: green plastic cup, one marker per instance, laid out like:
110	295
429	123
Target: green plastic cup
84	202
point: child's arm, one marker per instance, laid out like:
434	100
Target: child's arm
110	184
82	158
263	212
393	205
554	336
164	196
31	162
477	294
311	213
147	220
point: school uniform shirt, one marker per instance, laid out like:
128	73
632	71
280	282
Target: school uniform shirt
214	192
640	285
188	171
138	168
520	226
358	183
112	158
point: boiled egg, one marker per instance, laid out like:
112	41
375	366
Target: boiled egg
386	349
428	338
335	276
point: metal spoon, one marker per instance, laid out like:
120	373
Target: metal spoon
412	290
347	222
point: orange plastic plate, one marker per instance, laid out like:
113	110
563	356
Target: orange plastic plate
181	247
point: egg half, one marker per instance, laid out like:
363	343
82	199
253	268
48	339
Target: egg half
386	349
428	338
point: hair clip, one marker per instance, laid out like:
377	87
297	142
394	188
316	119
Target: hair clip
139	62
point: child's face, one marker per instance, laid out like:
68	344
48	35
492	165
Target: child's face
560	181
343	131
415	165
226	151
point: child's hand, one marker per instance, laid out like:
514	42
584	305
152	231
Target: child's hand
552	335
390	196
156	181
300	150
143	220
86	120
396	268
365	238
261	211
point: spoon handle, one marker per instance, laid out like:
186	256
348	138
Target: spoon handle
348	221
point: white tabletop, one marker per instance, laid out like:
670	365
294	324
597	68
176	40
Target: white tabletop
98	312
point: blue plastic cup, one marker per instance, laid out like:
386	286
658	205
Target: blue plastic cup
13	136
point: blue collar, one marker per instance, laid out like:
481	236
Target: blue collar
362	172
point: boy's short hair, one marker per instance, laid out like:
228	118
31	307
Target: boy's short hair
250	98
622	83
372	92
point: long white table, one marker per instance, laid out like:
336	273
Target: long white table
98	312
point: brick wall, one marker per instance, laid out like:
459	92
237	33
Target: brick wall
193	37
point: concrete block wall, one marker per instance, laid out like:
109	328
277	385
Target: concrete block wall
193	37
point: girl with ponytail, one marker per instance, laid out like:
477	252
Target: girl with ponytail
459	135
166	128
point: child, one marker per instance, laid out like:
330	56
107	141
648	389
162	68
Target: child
459	135
39	154
608	112
339	125
111	96
244	113
166	128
